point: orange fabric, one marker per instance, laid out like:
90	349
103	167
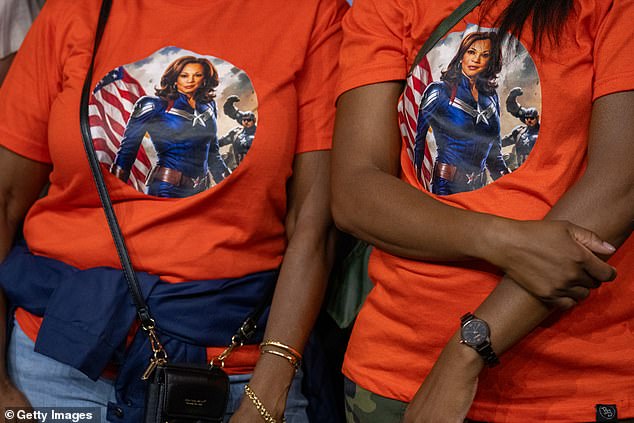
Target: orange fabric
559	372
236	227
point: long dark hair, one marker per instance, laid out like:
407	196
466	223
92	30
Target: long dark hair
204	93
547	18
485	81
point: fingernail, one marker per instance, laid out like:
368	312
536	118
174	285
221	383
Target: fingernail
609	246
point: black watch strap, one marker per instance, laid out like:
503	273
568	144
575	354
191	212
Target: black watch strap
488	355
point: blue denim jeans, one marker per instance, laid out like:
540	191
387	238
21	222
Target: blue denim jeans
49	383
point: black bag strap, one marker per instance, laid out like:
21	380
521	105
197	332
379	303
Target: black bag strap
249	325
143	312
449	22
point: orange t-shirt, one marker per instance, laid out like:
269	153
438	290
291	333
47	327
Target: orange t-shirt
504	165
278	60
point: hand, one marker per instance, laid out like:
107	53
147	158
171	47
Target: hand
12	399
248	411
271	381
553	260
448	391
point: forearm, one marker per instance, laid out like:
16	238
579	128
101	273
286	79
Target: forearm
303	275
512	312
602	201
7	233
372	203
296	304
21	181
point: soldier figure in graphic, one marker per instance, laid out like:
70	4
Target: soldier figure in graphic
240	137
522	137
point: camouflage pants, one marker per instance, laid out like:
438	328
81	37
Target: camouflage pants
363	406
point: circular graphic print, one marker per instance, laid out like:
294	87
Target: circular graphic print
470	113
175	123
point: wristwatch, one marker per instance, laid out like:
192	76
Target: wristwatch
475	333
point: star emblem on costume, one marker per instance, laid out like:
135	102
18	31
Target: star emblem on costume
199	117
481	116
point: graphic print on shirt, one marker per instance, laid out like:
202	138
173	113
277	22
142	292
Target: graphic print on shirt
470	112
175	123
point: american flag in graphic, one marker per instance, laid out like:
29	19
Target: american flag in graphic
109	110
408	107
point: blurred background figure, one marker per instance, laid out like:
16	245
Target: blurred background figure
16	17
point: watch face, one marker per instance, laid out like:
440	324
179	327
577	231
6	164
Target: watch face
475	332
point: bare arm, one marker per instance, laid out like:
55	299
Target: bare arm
511	312
302	281
542	256
21	181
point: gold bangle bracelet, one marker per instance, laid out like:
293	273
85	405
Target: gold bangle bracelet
291	359
292	351
264	413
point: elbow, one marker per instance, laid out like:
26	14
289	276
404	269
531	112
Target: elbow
342	210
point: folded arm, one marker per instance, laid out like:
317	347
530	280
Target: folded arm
511	311
372	203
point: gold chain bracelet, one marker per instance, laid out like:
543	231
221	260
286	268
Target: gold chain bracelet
264	413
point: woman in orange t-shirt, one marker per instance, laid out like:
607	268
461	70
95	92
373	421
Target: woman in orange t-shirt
416	350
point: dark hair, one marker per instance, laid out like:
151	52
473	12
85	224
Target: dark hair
204	93
546	17
485	81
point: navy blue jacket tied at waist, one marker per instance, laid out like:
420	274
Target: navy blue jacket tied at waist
88	314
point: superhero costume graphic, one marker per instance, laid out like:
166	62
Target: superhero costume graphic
523	137
450	115
156	124
185	141
467	135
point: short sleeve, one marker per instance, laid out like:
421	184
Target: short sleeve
613	58
372	49
31	85
316	82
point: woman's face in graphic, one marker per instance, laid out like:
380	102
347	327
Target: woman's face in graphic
190	78
476	58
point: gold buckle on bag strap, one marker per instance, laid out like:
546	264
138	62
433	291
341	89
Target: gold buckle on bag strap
159	355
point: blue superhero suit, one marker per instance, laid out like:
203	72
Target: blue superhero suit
186	145
467	136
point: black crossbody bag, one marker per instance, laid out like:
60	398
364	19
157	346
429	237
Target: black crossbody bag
176	393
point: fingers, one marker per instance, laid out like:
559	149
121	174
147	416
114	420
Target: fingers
591	241
568	299
598	269
578	293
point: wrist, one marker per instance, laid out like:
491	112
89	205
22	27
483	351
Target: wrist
271	382
493	238
464	359
257	406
